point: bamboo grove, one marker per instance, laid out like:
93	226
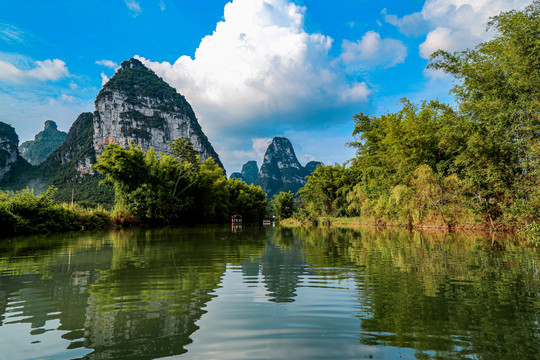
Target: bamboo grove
474	162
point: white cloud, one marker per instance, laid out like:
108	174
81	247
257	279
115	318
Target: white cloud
162	5
259	146
461	24
104	79
108	63
47	70
134	7
234	160
372	51
261	69
67	98
452	25
410	25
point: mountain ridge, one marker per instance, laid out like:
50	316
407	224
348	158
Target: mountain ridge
44	143
280	169
134	106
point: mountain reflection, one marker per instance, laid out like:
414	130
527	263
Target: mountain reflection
130	294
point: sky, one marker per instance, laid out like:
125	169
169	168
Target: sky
251	69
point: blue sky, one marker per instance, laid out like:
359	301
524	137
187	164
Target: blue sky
251	69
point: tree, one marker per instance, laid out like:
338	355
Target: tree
143	182
325	190
248	200
169	189
183	150
283	205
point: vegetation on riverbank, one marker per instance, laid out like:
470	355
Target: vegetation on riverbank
474	164
149	189
23	212
176	188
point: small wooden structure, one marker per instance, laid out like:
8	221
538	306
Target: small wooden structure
267	221
236	219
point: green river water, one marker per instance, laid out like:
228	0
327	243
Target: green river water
268	293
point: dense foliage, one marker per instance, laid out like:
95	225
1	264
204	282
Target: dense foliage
176	188
23	212
283	205
431	164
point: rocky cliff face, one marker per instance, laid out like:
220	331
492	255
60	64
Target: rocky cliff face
138	106
44	143
250	172
281	170
9	153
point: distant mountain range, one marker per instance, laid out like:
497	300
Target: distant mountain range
280	170
44	143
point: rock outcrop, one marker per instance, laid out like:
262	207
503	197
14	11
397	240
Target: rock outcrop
9	151
250	172
44	143
281	170
137	106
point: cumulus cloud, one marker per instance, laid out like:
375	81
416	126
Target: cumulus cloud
134	7
260	73
460	24
261	67
47	70
372	50
452	25
235	159
67	98
108	63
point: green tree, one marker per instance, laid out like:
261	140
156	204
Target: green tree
247	200
326	190
176	188
283	205
390	150
143	182
190	161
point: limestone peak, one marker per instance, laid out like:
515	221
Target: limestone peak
132	63
138	106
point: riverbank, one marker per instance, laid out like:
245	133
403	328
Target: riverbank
24	213
530	232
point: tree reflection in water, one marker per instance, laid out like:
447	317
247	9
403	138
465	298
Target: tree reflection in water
141	294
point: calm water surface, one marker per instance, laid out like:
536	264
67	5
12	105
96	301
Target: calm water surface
268	293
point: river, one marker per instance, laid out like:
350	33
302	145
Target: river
214	292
